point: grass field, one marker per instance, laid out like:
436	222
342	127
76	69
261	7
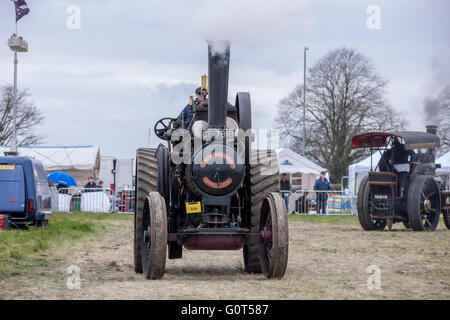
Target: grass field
328	259
24	251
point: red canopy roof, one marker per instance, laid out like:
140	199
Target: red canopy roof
413	139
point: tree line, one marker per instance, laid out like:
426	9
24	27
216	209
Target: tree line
345	96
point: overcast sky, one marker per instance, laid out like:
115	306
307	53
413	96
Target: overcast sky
133	62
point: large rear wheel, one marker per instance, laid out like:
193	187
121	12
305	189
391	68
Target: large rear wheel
363	205
146	181
154	236
264	179
274	244
424	204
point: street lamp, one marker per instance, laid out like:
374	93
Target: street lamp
304	103
16	44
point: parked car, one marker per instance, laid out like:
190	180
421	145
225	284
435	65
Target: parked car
25	195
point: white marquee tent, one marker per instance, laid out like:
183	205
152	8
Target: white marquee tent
444	161
296	165
444	171
79	161
124	172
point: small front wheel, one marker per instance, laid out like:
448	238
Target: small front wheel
364	216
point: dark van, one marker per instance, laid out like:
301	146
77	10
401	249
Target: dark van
25	195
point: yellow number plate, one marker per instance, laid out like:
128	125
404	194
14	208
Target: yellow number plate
193	207
7	167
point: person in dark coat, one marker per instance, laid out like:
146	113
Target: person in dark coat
400	159
285	189
397	160
90	185
322	185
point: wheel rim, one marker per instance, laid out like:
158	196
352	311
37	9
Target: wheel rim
266	237
378	223
146	241
429	206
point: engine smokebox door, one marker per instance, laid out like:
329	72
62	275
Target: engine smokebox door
217	169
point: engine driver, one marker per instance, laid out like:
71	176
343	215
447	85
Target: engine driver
187	113
397	160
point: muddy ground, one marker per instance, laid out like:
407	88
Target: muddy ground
326	261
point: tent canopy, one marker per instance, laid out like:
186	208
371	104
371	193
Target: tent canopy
292	162
63	158
444	161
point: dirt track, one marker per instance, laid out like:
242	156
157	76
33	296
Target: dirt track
326	261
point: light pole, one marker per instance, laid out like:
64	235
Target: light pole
16	44
304	102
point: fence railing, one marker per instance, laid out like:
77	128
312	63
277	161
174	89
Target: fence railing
93	200
330	202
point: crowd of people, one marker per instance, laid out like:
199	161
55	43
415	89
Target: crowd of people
90	186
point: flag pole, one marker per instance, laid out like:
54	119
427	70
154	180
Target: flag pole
17	44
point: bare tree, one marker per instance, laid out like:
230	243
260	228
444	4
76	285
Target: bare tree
437	111
28	117
345	97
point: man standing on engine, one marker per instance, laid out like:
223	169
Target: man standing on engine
322	186
187	113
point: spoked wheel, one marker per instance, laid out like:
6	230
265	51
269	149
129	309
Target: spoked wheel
273	225
154	237
364	217
424	204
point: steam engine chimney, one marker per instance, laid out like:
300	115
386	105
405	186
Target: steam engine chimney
218	72
431	129
432	151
